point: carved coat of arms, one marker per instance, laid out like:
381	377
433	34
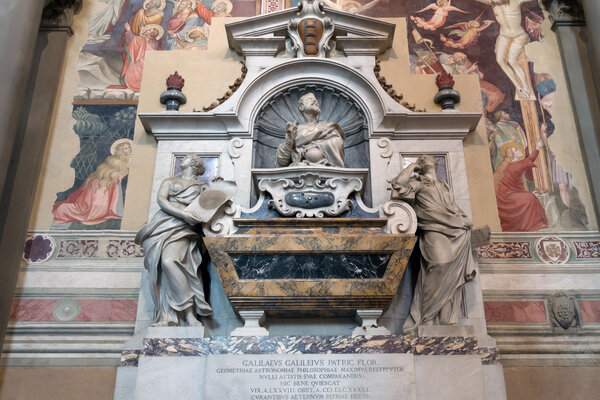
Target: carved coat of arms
563	312
311	31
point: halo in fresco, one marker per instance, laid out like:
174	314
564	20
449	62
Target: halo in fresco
113	147
162	6
147	28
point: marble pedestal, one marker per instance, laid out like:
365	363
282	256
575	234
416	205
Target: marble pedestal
312	367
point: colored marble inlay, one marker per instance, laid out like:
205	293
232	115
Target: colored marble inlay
78	249
515	311
489	355
130	358
587	249
341	296
443	345
308	345
310	266
42	310
320	345
170	347
505	250
590	311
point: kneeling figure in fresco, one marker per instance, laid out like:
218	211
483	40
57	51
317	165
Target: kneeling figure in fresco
171	245
314	142
445	245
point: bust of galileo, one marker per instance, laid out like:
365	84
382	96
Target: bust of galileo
314	142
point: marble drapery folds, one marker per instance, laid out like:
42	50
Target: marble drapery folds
446	260
174	289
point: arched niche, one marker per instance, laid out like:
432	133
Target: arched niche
269	127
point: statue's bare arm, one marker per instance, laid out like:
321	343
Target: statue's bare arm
162	198
403	177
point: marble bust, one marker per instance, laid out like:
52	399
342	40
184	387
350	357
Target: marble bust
313	142
444	232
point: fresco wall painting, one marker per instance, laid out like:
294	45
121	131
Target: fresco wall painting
487	38
479	37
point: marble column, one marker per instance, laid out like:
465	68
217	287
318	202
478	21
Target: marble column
575	42
23	152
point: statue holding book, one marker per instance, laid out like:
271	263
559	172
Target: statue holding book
172	243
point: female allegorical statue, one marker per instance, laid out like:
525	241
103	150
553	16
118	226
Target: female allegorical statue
445	244
172	248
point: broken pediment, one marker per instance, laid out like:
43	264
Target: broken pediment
310	30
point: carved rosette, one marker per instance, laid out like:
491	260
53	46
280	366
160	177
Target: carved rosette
311	31
311	195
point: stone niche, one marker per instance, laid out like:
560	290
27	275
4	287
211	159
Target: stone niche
313	241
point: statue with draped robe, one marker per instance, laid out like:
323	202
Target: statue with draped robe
314	142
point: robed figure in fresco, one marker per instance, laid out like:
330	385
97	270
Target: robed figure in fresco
100	197
314	142
142	33
444	241
172	246
519	209
183	27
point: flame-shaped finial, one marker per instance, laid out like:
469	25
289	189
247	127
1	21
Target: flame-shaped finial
175	81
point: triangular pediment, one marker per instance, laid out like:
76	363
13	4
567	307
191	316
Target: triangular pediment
353	34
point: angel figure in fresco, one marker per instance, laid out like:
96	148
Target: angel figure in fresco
468	32
172	245
511	42
442	9
100	197
352	6
519	209
187	15
104	20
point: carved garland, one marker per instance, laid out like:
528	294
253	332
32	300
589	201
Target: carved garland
232	88
398	97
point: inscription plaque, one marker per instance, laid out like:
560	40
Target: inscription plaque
310	377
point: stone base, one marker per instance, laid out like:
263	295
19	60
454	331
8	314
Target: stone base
378	367
175	332
446	330
252	322
369	326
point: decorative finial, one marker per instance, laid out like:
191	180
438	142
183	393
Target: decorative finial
446	95
443	80
173	98
175	81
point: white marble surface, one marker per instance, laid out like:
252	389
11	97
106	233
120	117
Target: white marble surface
125	383
493	379
163	378
449	378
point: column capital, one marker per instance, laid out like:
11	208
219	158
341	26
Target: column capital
564	12
58	14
